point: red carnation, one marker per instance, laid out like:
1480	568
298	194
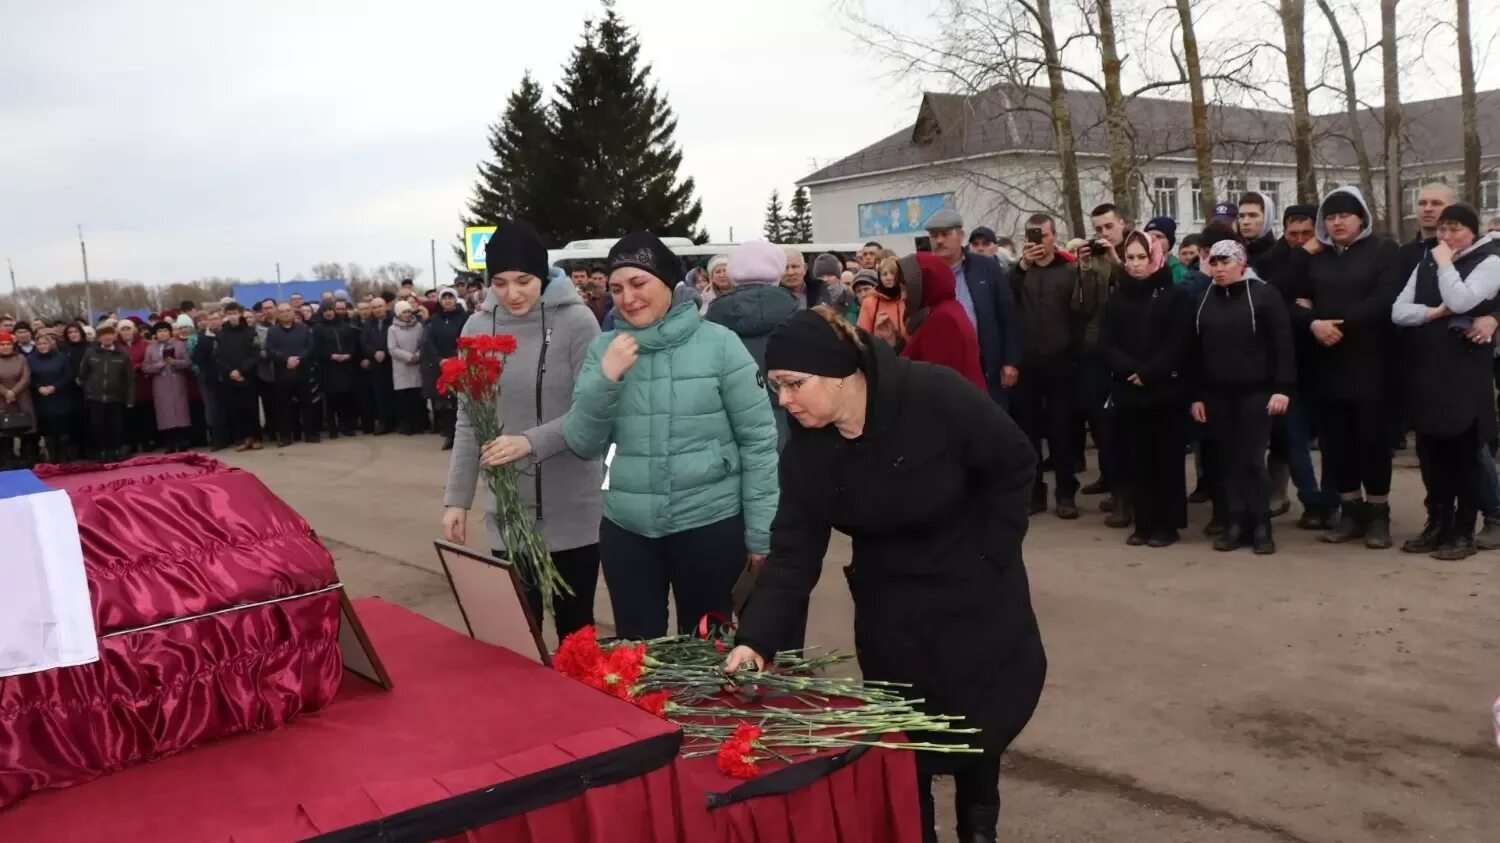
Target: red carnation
736	758
505	344
655	703
579	655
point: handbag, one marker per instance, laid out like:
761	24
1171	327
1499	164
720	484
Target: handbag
14	420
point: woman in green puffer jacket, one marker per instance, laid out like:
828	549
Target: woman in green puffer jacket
692	486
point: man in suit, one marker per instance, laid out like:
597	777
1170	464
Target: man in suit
985	294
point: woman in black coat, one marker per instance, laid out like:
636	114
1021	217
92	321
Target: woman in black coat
75	343
932	481
58	400
440	341
1143	339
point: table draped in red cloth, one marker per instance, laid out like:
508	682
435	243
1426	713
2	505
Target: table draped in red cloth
217	610
473	743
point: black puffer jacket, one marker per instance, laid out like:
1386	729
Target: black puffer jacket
1146	331
337	337
1242	340
235	351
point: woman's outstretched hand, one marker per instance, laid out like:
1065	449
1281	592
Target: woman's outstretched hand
743	657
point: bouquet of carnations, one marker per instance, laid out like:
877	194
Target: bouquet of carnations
473	377
747	716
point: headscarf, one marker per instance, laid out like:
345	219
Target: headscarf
1155	251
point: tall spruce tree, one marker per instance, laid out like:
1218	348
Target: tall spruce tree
615	142
518	182
775	226
799	217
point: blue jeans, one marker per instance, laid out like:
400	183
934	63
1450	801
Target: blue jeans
1291	443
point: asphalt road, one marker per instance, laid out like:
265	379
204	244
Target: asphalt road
1327	693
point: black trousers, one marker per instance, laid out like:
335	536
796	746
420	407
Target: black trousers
241	413
140	422
976	786
1043	401
1451	473
1355	440
410	410
1240	431
57	437
340	412
579	568
380	395
267	391
1154	442
698	566
444	415
294	407
107	427
1091	405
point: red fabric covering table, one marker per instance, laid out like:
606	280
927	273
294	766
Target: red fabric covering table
474	743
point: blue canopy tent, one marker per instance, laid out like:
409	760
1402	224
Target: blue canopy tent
311	291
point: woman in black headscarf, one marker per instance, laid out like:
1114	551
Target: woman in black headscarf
932	481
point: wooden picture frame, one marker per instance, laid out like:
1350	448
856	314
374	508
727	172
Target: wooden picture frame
492	601
358	653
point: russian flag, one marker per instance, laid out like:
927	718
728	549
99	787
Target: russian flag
45	617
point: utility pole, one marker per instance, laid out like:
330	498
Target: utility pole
13	293
433	245
278	281
88	289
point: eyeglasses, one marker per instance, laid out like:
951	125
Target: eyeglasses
790	386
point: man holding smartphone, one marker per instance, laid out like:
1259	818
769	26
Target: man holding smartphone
1097	261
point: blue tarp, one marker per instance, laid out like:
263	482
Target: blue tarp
311	291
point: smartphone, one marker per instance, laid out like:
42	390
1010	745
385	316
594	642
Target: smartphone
924	243
1034	234
169	351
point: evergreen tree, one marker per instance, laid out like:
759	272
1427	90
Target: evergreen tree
799	217
775	227
614	146
518	183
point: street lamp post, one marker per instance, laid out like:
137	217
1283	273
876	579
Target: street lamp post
88	289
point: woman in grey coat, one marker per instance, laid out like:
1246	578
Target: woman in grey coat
553	328
404	339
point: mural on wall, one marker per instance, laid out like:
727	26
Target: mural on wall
900	216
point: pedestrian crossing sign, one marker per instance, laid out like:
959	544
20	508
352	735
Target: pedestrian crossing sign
476	237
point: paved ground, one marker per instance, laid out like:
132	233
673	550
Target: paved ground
1322	694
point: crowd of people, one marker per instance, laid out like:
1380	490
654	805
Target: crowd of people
228	375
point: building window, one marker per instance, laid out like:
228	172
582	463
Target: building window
1232	190
1197	187
1489	190
1272	191
1410	188
1330	186
1164	196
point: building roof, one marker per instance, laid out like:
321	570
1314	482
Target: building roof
1011	119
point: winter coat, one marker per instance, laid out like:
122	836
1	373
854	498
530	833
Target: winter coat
692	426
201	350
1358	285
1094	278
552	342
337	337
374	335
404	340
285	342
237	351
945	335
107	376
1450	381
169	382
751	311
1049	305
137	354
1146	331
934	495
15	376
874	307
1268	257
75	352
54	370
1242	340
995	322
440	341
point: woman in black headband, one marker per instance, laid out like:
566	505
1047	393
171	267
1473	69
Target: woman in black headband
932	480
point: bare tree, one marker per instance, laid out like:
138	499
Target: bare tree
1351	103
1203	152
1392	115
1062	119
331	271
1114	111
1293	30
1468	104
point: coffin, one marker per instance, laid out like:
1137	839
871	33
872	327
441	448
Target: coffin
217	611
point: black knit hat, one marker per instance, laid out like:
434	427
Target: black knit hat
805	342
516	247
1295	211
1343	202
1463	215
644	250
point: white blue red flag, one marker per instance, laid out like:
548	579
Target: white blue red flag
45	617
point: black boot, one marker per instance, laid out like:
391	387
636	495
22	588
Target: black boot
1234	536
1378	526
1123	514
1216	524
979	824
1098	487
1261	539
1314	517
1489	534
1439	523
1351	524
1457	546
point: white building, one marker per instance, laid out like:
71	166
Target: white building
992	157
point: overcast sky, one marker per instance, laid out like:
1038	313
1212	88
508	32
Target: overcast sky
216	139
202	139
